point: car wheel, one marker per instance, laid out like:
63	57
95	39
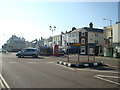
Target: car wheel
19	56
22	56
35	56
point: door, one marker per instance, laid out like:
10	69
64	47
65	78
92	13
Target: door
83	50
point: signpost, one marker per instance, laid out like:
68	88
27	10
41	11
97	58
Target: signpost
77	44
73	44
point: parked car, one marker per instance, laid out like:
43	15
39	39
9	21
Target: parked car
28	52
62	52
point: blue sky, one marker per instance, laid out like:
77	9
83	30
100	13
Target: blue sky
32	19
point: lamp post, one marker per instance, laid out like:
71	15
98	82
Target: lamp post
52	29
111	33
68	51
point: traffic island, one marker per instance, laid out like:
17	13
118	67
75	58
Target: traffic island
80	64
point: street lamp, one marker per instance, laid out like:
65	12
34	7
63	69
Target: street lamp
108	20
52	29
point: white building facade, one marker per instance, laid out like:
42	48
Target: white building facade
84	40
15	43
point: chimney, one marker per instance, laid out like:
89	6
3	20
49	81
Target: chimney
91	26
73	28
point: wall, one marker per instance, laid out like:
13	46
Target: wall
116	33
92	38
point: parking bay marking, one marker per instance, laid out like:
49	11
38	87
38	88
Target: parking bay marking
101	77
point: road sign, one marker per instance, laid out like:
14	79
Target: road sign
76	44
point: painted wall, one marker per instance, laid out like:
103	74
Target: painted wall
116	33
92	36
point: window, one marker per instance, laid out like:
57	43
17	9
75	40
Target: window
96	41
76	34
82	41
96	35
83	50
82	33
73	34
75	41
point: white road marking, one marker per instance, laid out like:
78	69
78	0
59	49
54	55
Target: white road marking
32	62
97	71
65	67
5	83
98	76
49	62
1	84
13	62
112	66
13	53
108	76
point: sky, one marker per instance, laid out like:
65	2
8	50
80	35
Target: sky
31	19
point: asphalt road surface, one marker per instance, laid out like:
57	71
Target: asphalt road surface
44	72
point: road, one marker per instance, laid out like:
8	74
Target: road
44	72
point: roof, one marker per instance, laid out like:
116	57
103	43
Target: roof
77	30
88	29
94	29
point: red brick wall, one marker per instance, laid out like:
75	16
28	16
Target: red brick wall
86	38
